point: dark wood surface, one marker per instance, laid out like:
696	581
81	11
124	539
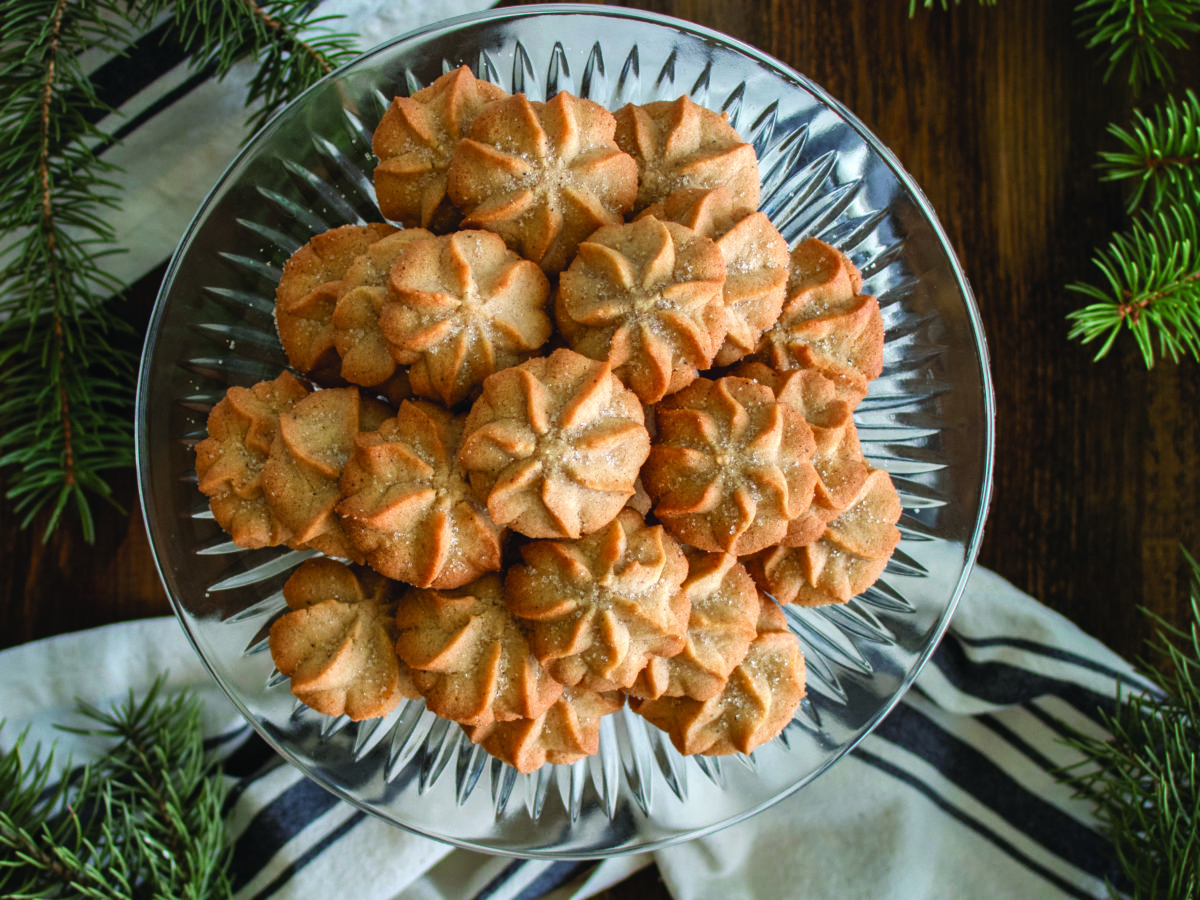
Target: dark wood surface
998	113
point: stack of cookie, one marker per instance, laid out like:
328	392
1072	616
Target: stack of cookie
576	427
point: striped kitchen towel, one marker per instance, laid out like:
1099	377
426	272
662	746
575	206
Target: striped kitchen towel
175	129
954	794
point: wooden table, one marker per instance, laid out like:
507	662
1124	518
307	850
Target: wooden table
998	113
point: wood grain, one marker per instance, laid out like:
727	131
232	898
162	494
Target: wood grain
998	113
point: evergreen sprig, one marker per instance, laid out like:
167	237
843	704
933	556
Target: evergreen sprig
1161	154
66	381
1151	288
54	338
281	36
143	821
1145	779
1137	34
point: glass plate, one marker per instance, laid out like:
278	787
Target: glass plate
927	420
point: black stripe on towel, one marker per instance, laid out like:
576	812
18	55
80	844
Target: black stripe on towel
163	103
557	874
1057	653
276	824
506	874
1003	684
970	822
309	855
120	79
974	774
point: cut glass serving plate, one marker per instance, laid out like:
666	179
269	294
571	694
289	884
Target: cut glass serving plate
928	420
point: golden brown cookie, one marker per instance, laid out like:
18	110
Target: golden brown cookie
730	465
461	307
543	176
678	144
555	445
300	478
415	141
838	457
308	292
756	263
851	553
647	298
336	643
229	462
826	324
360	343
407	506
470	657
602	606
722	623
568	731
761	697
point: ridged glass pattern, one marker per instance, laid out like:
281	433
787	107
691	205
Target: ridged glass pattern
927	420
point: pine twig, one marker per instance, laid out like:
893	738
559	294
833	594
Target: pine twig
66	385
145	820
291	46
1161	154
1145	779
60	438
1134	33
1152	288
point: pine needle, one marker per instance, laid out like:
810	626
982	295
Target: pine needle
1150	288
144	820
66	387
1161	154
1137	33
1144	779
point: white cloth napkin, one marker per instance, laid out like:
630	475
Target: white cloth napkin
954	795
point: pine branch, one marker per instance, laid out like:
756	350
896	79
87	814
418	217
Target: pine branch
1161	154
1145	779
143	821
67	402
53	194
1134	33
945	4
219	34
1152	288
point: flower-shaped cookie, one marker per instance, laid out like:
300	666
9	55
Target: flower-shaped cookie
308	292
846	560
756	704
356	334
336	643
229	462
415	141
461	307
725	610
407	506
646	297
543	176
678	144
826	324
555	445
602	606
756	263
300	478
730	466
838	457
568	731
470	657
